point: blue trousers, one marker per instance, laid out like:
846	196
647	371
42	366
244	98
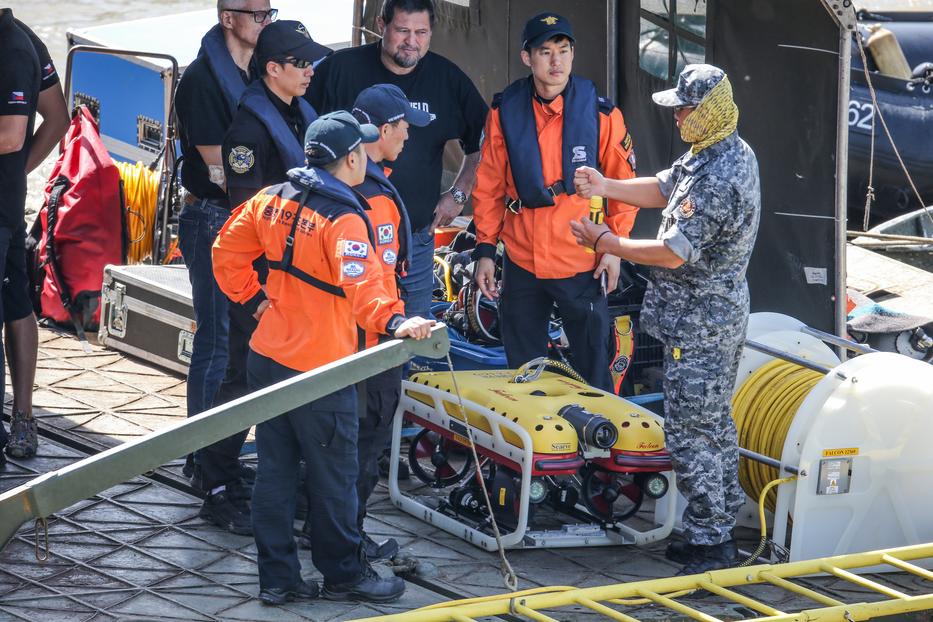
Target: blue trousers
418	284
198	226
323	433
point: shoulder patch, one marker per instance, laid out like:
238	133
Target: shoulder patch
385	233
353	248
687	208
241	159
496	101
353	269
389	257
627	141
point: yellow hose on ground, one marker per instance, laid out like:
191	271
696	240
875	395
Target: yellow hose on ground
763	409
141	192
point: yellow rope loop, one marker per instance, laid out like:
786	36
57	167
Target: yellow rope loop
141	192
763	409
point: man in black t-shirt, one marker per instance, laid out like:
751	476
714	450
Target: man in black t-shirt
22	333
432	84
205	101
20	78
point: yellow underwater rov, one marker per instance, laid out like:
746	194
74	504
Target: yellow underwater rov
564	464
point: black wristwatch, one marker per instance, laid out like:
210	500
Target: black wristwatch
459	195
394	322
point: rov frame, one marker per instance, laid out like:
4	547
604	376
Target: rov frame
570	535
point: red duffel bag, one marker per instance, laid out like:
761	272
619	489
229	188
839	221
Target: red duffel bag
81	225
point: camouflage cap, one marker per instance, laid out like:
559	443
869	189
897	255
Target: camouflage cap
694	83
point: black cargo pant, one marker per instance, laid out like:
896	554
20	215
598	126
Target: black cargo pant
525	306
382	396
323	433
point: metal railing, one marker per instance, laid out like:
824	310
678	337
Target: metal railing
54	491
607	600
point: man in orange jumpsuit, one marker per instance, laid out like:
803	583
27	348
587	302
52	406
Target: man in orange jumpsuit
325	287
386	107
539	130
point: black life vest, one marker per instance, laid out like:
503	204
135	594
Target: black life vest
343	199
221	65
290	149
580	146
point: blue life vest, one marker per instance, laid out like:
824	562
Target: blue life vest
376	175
222	67
290	148
580	146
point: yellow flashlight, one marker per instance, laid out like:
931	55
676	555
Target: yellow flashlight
596	214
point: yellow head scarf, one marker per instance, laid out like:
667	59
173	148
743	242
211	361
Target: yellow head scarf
713	119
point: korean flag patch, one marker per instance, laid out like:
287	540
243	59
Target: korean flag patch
352	248
385	234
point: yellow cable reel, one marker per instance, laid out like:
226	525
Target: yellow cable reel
764	408
141	194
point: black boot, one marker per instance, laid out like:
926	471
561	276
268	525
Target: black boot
369	587
379	551
680	551
711	557
305	590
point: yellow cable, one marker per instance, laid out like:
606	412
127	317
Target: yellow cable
141	193
448	285
764	408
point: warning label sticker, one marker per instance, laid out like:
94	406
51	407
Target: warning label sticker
843	451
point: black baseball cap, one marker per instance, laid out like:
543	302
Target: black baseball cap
544	26
386	103
334	135
286	38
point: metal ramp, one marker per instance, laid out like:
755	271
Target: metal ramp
556	604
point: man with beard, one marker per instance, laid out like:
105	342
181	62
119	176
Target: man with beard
434	85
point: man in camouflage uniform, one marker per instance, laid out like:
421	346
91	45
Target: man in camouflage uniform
697	303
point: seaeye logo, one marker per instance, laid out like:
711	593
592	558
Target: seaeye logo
579	154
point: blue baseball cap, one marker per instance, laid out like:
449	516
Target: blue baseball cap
334	135
386	103
544	26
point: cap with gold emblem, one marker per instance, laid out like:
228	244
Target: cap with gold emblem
287	38
544	26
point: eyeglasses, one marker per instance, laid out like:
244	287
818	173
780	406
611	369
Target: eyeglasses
297	62
258	16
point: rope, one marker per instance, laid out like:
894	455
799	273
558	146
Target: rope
764	408
887	132
141	191
508	573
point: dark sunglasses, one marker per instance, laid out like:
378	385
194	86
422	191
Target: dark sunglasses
258	16
297	62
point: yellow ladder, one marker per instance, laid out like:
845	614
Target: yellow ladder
663	592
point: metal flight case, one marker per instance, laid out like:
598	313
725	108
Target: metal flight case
147	312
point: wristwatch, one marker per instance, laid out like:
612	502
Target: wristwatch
459	195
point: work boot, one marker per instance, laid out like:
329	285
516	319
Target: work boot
240	491
370	587
247	473
224	512
379	551
305	590
680	551
24	439
711	557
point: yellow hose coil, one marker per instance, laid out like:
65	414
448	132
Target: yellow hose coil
763	409
141	192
